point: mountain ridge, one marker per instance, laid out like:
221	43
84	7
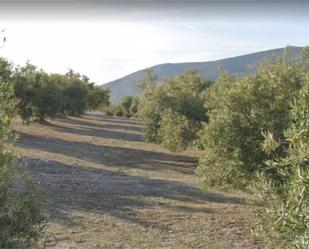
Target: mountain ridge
236	65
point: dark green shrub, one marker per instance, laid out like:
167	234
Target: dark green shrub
39	97
125	105
74	95
26	87
43	95
97	98
117	111
108	111
47	102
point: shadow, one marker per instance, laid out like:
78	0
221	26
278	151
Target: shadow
112	119
100	133
85	128
75	191
75	188
89	124
111	156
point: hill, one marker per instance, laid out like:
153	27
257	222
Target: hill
235	65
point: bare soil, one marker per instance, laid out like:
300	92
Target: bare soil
107	188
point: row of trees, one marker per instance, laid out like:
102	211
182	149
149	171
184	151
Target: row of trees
41	95
258	133
171	110
33	94
127	107
21	220
254	131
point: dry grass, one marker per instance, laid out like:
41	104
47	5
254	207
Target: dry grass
109	189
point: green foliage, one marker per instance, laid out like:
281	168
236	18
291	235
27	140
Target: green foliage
148	81
45	95
47	101
258	135
74	94
133	110
116	110
5	70
181	98
97	97
241	109
305	57
113	110
176	137
288	202
20	217
127	107
27	81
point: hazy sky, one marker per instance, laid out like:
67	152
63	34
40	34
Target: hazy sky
106	40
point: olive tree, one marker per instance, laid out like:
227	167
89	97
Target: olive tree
257	138
174	110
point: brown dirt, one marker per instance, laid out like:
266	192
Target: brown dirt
107	188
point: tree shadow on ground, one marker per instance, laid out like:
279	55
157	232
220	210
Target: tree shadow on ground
75	188
105	125
112	119
101	133
109	155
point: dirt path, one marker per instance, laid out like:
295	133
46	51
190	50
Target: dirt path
109	189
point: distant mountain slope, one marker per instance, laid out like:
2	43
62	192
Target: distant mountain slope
235	65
